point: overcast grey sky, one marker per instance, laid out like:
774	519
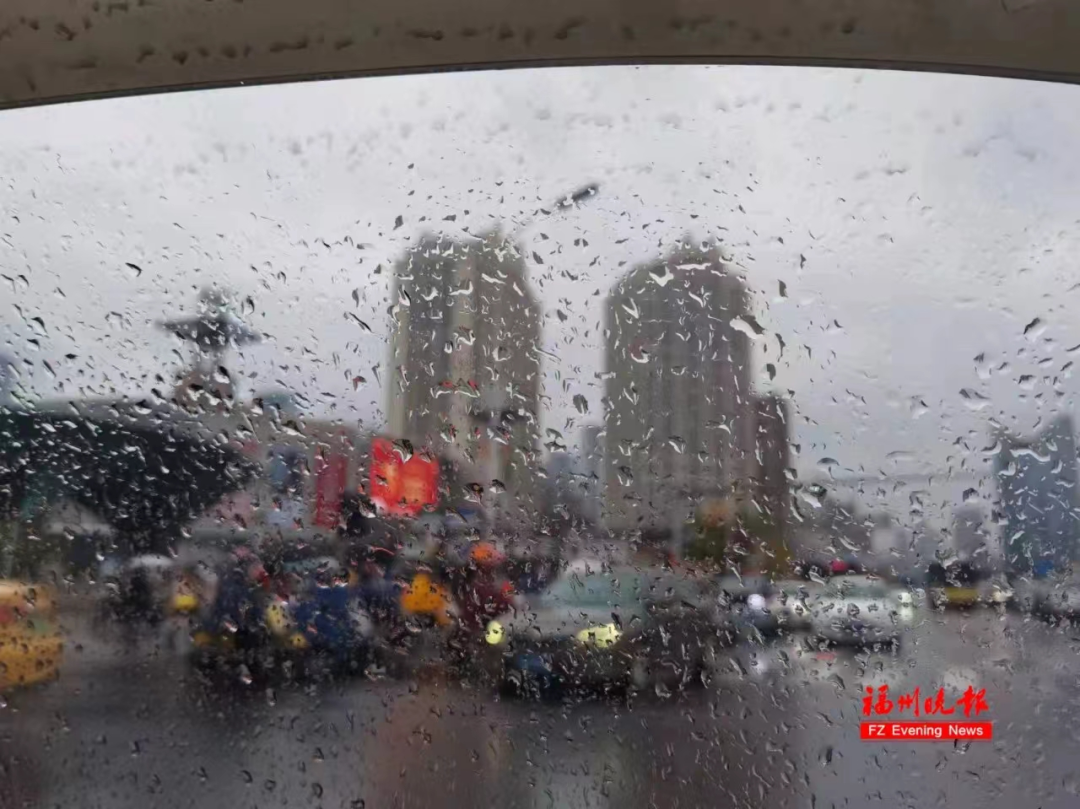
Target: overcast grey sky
917	222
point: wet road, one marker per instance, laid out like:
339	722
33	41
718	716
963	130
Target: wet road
134	729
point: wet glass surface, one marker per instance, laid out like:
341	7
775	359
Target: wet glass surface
636	437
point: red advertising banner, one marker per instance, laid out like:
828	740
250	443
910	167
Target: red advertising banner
331	472
398	486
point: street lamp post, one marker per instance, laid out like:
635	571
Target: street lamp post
492	417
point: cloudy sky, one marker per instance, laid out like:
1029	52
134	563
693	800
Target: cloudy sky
917	222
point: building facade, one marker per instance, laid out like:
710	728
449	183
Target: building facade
679	410
466	368
772	458
1037	504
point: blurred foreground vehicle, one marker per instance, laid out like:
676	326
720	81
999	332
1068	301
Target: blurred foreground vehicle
606	629
861	610
306	619
31	646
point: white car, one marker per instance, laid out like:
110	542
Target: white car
861	610
791	602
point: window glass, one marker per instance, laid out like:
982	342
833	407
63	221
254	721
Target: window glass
347	428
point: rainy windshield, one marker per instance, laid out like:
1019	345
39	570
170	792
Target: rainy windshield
630	436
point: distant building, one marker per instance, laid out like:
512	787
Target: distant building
772	457
466	368
1037	501
679	422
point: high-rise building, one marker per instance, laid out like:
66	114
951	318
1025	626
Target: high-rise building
772	457
466	368
679	421
1037	501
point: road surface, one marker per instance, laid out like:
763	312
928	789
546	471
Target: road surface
132	727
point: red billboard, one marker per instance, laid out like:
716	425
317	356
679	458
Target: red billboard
400	486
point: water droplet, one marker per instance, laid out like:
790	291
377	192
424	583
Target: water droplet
581	403
359	322
973	400
404	449
660	276
748	326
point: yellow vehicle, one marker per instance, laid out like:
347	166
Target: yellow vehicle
30	643
961	596
187	595
423	596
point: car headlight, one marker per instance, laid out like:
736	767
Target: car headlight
184	603
905	599
494	634
278	619
906	613
202	640
601	636
756	602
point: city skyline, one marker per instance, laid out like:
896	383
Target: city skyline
911	265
